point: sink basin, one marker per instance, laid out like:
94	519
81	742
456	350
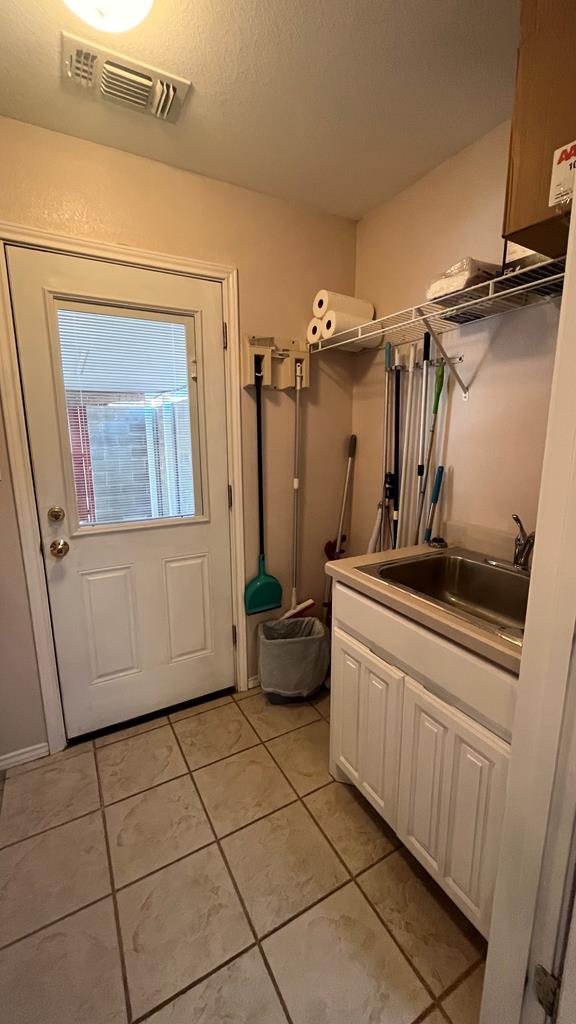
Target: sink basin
465	583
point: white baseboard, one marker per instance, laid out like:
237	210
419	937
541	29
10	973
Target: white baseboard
24	755
253	681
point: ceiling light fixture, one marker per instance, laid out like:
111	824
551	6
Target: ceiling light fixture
111	15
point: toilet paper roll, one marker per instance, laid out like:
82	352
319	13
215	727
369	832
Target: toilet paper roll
338	303
314	331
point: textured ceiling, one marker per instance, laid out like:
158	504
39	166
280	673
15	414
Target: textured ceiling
336	104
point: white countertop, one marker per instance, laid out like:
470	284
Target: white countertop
482	641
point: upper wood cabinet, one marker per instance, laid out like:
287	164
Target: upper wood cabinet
544	119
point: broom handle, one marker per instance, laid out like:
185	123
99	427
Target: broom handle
259	447
351	455
296	484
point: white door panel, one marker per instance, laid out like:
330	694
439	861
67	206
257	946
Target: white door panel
124	387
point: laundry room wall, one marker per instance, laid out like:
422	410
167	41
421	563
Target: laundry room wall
284	252
494	443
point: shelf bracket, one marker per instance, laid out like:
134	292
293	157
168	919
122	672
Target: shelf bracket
449	365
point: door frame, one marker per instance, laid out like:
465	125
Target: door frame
543	688
19	454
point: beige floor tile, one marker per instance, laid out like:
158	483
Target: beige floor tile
67	973
247	693
303	756
152	829
240	993
271	720
282	864
434	1018
138	763
42	762
199	709
430	930
337	963
463	1006
48	796
217	734
352	825
242	788
132	730
52	874
177	925
322	703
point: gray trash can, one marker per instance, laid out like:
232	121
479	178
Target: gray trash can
293	657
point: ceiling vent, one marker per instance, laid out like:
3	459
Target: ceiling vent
111	76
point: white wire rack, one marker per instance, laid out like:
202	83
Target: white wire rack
530	286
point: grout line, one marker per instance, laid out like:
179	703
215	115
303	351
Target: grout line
50	828
461	978
140	792
57	920
265	743
237	890
217	760
425	1015
253	821
397	944
168	864
187	988
114	899
304	910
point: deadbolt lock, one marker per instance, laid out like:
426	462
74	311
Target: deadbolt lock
56	514
59	548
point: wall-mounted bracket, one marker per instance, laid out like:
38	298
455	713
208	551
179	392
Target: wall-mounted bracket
280	357
449	362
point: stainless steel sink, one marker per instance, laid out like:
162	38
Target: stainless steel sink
464	582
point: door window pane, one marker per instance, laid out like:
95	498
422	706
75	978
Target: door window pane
126	384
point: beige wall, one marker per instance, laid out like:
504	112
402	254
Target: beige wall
493	448
21	717
284	253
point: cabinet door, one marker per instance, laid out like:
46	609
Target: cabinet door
472	814
452	791
423	766
347	659
380	727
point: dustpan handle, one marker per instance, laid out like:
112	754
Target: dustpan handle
259	448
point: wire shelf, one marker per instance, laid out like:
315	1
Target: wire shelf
528	287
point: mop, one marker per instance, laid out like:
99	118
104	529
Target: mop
296	607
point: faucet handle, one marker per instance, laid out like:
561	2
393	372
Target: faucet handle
521	530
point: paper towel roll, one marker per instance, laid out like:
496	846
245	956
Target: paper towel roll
314	332
333	323
325	301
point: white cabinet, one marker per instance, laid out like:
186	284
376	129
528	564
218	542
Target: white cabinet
366	722
452	790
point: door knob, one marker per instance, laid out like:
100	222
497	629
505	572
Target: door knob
59	548
56	514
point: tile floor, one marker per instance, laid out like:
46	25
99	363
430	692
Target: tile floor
203	868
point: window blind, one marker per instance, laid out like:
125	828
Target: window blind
129	421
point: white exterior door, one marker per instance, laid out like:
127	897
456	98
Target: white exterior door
124	388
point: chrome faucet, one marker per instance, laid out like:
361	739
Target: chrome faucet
523	545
